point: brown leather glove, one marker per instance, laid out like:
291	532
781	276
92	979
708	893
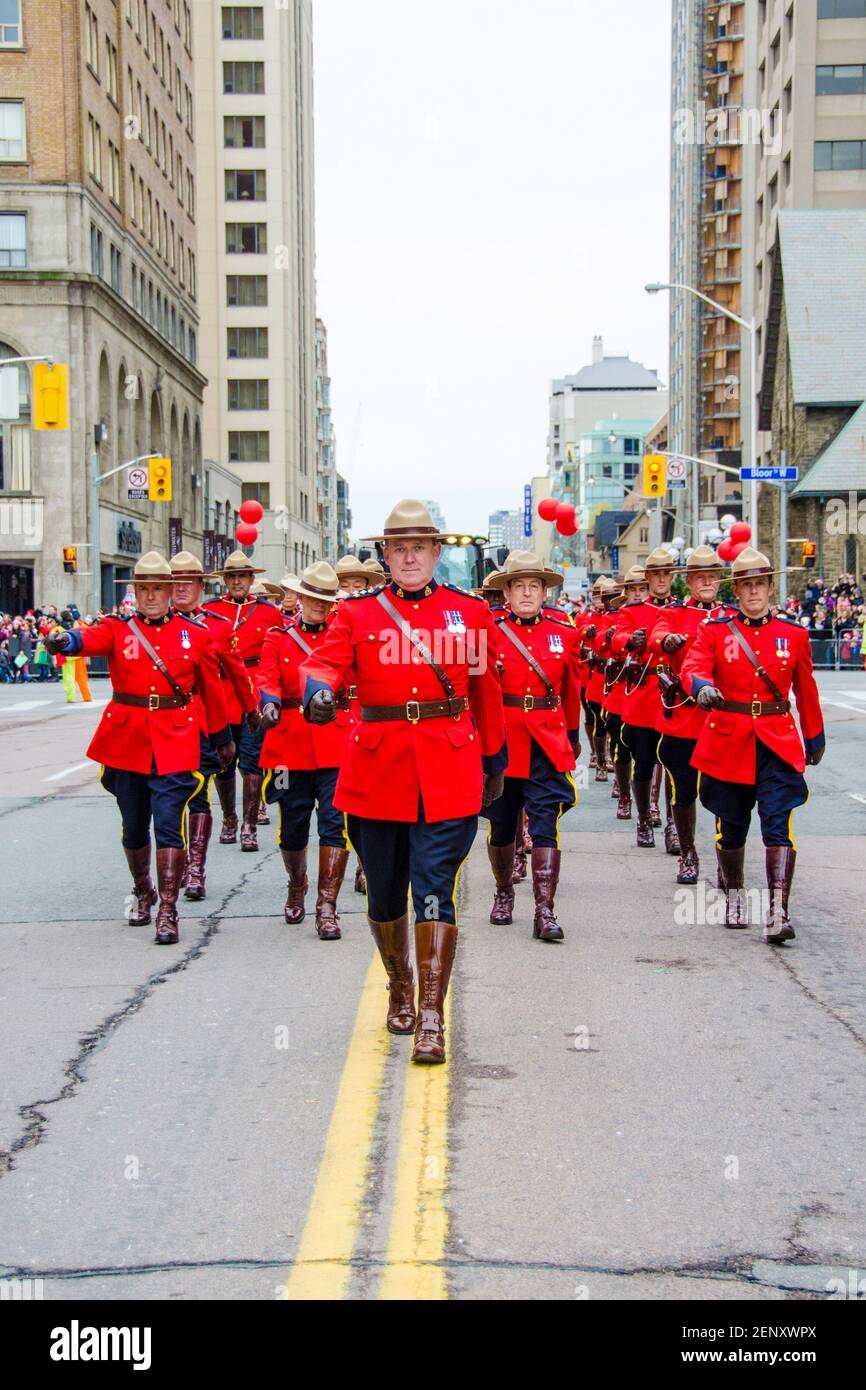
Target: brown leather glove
56	642
590	632
322	708
494	786
253	720
226	755
270	716
813	758
674	641
637	640
709	697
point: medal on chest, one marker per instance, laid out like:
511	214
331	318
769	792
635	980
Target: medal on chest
782	649
184	639
454	621
555	642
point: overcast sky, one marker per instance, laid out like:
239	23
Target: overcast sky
492	190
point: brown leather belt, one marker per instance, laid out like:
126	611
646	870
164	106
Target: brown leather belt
252	660
341	702
154	702
413	710
756	708
529	702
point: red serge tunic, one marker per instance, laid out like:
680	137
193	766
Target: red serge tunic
726	744
132	737
685	618
294	743
249	621
390	766
641	704
231	666
556	647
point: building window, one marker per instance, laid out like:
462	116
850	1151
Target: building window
249	446
91	41
110	69
193	347
10	24
94	150
631	446
775	50
116	269
840	154
841	9
114	173
246	185
244	132
97	264
247	342
248	394
246	238
774	191
243	22
13	240
257	492
244	79
786	170
842	80
246	289
134	288
190	195
12	130
191	275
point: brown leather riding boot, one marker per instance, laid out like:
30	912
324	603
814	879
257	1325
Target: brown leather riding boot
731	864
332	869
645	837
518	872
655	814
600	757
295	861
593	760
169	871
545	877
392	939
780	861
672	834
252	789
142	886
685	819
226	794
198	838
623	772
502	863
435	944
262	817
360	878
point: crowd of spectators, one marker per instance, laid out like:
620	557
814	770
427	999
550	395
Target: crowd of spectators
23	657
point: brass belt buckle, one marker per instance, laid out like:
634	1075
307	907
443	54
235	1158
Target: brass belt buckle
153	702
756	709
528	703
410	705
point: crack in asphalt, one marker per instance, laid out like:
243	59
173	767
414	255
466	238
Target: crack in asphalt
35	1121
813	998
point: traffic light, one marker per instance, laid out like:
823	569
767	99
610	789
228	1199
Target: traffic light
50	396
159	478
653	475
810	550
70	559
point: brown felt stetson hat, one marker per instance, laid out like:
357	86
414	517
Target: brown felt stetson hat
320	581
152	567
350	567
522	564
752	564
703	557
289	583
263	588
636	575
187	565
410	520
660	559
237	563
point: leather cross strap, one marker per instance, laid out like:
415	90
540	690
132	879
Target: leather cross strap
252	660
756	708
153	702
413	710
767	679
183	696
298	639
419	646
502	624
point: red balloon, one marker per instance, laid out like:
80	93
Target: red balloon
726	551
564	512
547	508
251	512
245	534
567	526
740	531
737	549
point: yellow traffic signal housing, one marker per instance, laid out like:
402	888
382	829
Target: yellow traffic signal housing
159	478
70	559
50	396
654	475
809	552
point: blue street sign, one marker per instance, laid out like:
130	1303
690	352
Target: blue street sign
614	558
527	510
769	475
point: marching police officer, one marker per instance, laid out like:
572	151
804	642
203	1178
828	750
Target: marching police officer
353	576
680	719
429	745
165	687
634	588
581	623
303	759
188	589
597	651
539	659
742	669
290	602
250	617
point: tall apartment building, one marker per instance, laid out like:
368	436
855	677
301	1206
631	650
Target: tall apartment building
506	528
687	90
98	267
253	83
808	68
326	452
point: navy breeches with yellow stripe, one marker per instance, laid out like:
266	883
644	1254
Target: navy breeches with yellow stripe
425	855
143	797
641	744
298	793
675	756
777	790
209	766
544	795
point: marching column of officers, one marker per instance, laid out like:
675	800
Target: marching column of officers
400	709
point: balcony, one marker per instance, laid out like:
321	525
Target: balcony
721	345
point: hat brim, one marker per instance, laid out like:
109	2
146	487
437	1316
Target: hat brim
413	536
501	578
762	573
155	579
222	574
319	597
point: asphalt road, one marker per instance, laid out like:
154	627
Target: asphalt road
658	1108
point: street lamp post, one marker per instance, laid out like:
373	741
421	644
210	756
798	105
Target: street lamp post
752	330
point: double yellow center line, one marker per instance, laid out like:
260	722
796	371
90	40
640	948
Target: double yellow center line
414	1267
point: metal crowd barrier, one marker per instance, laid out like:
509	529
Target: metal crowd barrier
836	651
